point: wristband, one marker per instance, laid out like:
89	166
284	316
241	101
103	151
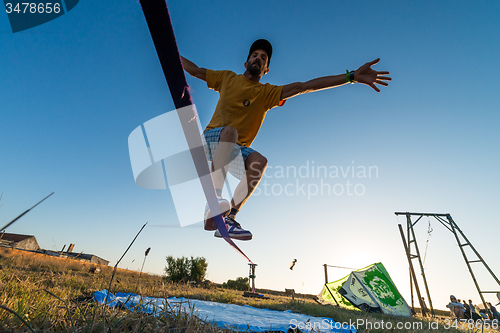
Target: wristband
350	77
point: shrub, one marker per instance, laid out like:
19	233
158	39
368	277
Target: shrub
240	283
184	269
197	269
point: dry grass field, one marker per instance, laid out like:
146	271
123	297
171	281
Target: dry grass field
40	293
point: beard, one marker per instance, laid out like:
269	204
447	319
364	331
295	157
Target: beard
254	70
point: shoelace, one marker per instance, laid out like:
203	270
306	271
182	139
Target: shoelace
232	221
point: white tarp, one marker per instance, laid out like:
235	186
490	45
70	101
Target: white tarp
238	317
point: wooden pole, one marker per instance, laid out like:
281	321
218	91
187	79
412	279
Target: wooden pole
412	270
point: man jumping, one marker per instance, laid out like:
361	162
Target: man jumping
239	113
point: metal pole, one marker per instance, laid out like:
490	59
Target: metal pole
252	276
454	227
326	274
421	265
423	214
473	249
411	290
411	269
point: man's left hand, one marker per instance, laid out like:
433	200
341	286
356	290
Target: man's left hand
366	75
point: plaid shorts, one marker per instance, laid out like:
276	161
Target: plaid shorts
238	156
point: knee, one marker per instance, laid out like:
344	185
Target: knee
256	161
229	134
262	161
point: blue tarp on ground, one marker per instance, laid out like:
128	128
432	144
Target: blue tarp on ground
238	317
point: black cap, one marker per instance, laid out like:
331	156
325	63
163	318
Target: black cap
262	44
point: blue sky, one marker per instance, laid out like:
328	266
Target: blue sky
73	89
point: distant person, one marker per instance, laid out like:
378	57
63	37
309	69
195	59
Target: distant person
425	310
471	306
467	312
240	112
456	308
473	311
494	311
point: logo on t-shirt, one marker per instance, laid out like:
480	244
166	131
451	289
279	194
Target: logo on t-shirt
246	102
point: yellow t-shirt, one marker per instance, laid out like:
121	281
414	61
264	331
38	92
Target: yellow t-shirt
242	104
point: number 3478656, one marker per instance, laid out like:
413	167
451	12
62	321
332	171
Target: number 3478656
33	8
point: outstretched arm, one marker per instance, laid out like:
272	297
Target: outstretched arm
364	74
193	70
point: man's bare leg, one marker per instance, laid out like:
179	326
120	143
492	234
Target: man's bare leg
220	164
222	156
256	165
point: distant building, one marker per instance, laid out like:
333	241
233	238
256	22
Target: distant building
86	257
76	256
29	243
17	241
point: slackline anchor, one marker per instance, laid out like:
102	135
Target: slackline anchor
252	276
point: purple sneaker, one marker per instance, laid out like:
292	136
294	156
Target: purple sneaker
234	230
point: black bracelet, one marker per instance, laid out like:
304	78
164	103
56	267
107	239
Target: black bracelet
351	77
